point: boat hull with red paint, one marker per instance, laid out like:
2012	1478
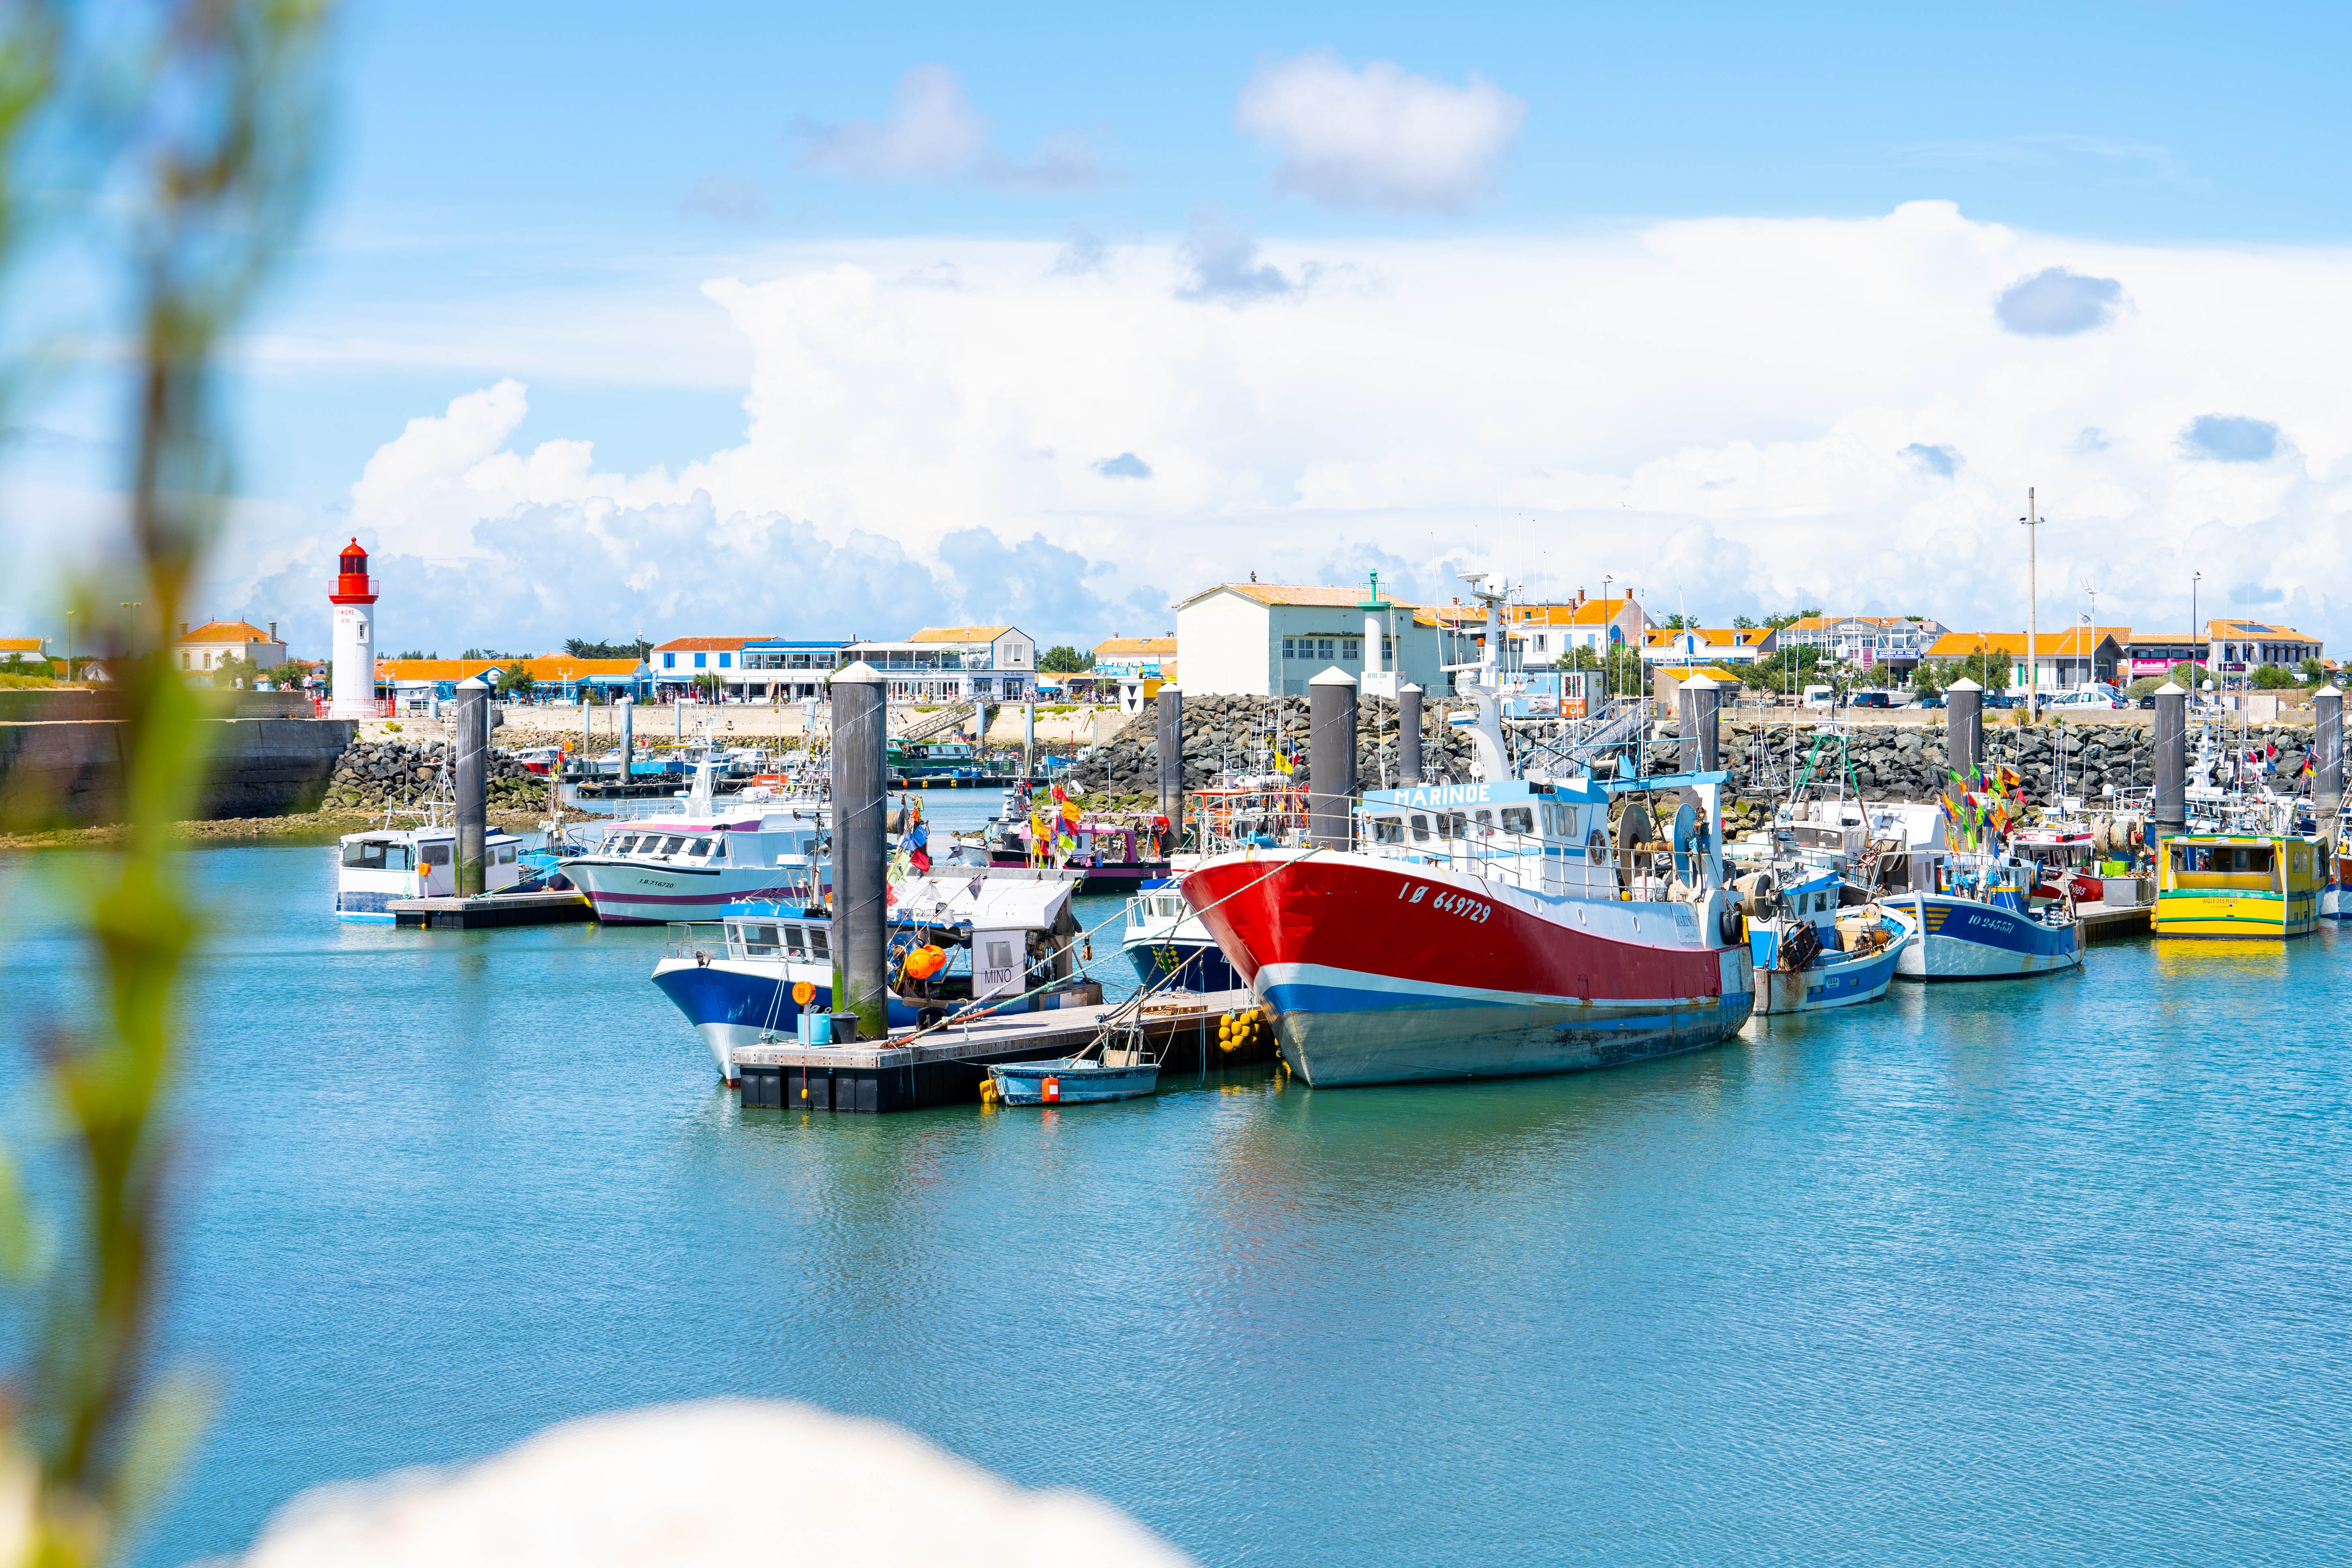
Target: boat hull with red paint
1380	971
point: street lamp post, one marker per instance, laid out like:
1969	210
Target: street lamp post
2194	578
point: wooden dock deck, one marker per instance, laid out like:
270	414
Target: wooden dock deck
494	909
946	1067
2123	917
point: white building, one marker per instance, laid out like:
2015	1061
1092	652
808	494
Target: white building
215	643
955	664
1269	639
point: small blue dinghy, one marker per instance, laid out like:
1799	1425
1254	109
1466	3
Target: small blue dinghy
1071	1081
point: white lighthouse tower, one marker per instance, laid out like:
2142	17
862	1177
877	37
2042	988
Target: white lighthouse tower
354	601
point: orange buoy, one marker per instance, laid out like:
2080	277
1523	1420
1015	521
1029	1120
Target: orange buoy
1053	1091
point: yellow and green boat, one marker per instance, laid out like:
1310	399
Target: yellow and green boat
2245	886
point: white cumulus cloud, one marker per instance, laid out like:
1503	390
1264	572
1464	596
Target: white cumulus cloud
932	132
1380	136
1734	414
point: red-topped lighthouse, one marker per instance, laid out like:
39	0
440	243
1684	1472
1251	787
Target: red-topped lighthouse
354	635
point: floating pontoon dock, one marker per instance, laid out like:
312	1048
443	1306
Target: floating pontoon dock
946	1066
493	909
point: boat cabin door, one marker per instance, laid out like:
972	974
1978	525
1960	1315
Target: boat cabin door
436	869
997	963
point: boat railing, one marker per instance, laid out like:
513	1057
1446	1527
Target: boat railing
702	940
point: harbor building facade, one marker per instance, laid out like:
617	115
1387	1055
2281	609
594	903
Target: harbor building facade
955	664
2241	647
208	646
1132	670
1692	647
413	685
1269	639
2157	653
677	663
2064	658
1540	634
784	670
1867	642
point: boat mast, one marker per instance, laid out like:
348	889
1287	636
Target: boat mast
2033	521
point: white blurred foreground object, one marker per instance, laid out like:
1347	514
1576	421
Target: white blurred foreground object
799	1486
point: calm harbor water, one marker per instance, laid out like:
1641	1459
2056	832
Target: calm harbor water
2053	1272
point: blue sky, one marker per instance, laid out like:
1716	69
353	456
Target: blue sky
477	143
541	192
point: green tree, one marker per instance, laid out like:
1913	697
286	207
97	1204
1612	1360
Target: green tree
225	675
2273	677
517	683
708	683
2314	671
1064	659
580	649
1743	622
1778	622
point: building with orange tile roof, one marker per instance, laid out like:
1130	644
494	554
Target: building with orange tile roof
208	646
2063	659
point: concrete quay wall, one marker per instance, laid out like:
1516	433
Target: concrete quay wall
69	771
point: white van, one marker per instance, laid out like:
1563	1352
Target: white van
1819	697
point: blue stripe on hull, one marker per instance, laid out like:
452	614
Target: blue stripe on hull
1837	986
1334	1036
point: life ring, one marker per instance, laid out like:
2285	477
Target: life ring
1596	846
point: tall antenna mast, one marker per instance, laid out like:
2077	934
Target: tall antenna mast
2033	520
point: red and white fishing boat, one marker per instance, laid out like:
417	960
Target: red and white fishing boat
1487	929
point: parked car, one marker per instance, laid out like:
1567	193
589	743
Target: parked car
1819	697
1999	699
1871	699
2097	695
1928	700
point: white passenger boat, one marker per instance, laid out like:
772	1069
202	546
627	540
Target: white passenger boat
382	866
697	858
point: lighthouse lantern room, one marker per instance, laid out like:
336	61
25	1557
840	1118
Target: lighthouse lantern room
354	601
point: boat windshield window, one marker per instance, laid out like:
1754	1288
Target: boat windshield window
794	943
717	849
1555	821
1486	822
699	847
1519	820
1420	829
374	855
623	843
1452	825
672	845
437	854
1387	830
759	941
506	854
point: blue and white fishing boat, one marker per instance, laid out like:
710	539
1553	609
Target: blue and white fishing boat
1169	946
1811	954
736	978
1979	922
